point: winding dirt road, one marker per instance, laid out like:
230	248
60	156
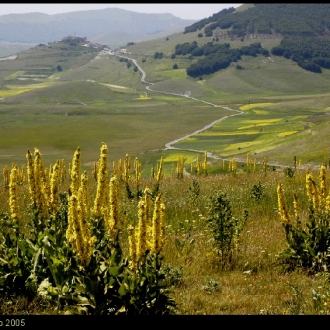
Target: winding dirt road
169	145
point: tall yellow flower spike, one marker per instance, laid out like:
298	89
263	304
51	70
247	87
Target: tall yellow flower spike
312	191
75	172
102	182
205	163
13	195
156	243
264	165
162	225
198	165
295	205
54	189
132	248
160	173
180	167
6	176
282	207
127	168
84	231
137	168
141	235
31	179
323	186
113	218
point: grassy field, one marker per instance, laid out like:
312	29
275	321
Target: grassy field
92	87
255	282
96	98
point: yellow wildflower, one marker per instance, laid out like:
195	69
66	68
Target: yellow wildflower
205	163
113	219
156	227
141	238
323	186
102	182
40	181
6	176
54	189
127	168
132	247
283	211
295	205
86	250
31	179
13	195
75	172
160	173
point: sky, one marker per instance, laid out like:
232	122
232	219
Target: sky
182	10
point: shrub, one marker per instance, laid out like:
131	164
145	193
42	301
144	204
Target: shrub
309	242
71	255
257	191
225	229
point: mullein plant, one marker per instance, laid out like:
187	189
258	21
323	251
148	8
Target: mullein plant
81	239
102	183
13	205
198	165
73	192
6	176
149	236
309	240
264	165
159	176
180	167
145	291
76	264
204	166
112	216
248	163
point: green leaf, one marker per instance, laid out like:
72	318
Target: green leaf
115	271
123	290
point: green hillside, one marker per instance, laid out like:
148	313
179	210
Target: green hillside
68	81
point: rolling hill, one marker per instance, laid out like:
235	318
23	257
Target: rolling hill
284	103
112	26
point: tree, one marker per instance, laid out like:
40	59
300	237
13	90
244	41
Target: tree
59	68
175	66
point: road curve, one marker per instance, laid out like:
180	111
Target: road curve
169	145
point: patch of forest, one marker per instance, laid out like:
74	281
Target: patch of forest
304	27
214	57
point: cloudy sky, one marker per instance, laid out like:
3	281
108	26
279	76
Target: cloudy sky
186	11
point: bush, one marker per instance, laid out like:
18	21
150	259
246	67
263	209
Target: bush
71	256
225	229
308	243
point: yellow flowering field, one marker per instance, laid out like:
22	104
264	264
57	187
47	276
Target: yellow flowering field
212	237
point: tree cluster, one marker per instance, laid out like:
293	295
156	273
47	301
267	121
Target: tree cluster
305	19
304	26
310	53
216	57
158	55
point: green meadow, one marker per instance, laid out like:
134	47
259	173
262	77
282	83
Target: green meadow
59	97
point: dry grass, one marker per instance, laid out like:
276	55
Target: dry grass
253	283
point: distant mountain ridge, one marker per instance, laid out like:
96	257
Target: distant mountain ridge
98	25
